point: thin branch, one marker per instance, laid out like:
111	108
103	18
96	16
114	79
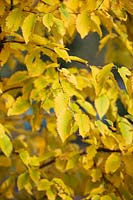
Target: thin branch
11	4
10	89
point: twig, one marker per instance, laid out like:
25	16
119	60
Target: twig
11	4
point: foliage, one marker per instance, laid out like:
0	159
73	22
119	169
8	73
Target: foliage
45	107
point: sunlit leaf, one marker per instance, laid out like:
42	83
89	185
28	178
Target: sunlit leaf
34	175
102	105
83	123
87	106
62	53
28	25
19	107
83	24
48	20
25	157
64	124
112	163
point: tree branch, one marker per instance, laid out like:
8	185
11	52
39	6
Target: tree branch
11	4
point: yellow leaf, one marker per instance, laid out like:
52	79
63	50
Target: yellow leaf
64	124
23	179
83	123
112	163
70	77
39	40
34	175
19	107
102	105
104	72
83	24
62	54
28	26
60	102
17	78
80	60
43	185
87	106
48	20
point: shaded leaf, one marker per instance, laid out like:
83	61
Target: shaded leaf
5	142
43	185
48	20
34	174
23	179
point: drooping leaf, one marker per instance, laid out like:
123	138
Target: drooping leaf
48	20
34	174
102	105
60	102
25	157
83	23
64	11
62	53
112	163
83	123
5	142
23	179
28	26
64	124
126	130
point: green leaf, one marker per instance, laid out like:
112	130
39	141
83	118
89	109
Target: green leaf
102	105
112	163
5	142
23	179
48	20
34	174
126	129
64	11
83	23
28	26
64	124
83	123
87	106
19	107
43	185
14	19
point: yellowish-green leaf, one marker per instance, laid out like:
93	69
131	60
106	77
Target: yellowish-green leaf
17	78
25	157
19	107
112	163
104	72
5	142
34	161
41	82
97	23
64	124
106	197
48	20
126	129
96	174
87	106
28	25
80	60
102	105
62	53
39	40
34	174
23	179
72	162
14	19
43	185
124	73
83	23
83	123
